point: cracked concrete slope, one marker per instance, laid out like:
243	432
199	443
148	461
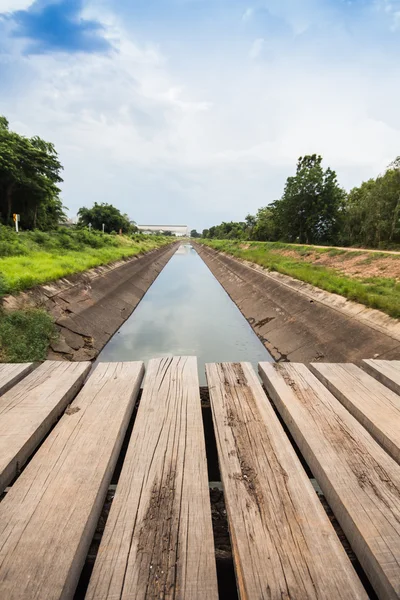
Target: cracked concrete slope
299	323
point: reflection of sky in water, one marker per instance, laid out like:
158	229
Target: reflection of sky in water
186	312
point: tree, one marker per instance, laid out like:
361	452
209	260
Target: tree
311	206
105	213
372	210
315	209
266	227
194	234
29	178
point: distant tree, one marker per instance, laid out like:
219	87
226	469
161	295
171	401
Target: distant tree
265	227
231	231
205	233
312	203
194	234
108	214
29	178
372	210
251	222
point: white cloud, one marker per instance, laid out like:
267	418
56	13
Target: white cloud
248	14
12	5
166	140
392	10
298	15
256	48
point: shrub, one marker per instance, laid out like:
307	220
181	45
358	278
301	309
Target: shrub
25	335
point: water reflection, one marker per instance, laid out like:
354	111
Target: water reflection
186	312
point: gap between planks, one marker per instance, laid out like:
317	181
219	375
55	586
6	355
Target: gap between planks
30	409
48	518
284	545
374	405
359	480
385	371
10	374
158	540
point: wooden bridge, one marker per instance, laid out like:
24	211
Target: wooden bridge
62	436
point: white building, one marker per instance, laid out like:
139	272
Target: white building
178	230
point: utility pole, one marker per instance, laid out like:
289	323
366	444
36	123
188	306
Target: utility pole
103	227
90	227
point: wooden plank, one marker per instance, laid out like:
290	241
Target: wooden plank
158	541
30	408
370	402
48	518
10	374
283	543
358	478
385	371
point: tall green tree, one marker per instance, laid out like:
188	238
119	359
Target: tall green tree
30	172
266	226
105	213
372	216
312	203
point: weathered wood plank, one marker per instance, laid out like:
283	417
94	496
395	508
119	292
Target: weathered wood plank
31	407
370	402
48	517
358	478
158	541
284	545
385	371
10	374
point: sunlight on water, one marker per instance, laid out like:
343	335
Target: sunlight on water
186	312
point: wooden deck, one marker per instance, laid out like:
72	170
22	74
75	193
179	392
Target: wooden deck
62	438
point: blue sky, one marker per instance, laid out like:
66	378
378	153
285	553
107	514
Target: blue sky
196	111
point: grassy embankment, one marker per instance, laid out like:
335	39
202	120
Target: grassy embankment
373	279
32	258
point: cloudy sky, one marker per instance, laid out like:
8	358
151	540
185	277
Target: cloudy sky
195	111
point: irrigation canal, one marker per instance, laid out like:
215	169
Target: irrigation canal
186	312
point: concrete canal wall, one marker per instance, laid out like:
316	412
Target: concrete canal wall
299	323
90	307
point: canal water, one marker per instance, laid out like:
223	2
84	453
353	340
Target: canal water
186	312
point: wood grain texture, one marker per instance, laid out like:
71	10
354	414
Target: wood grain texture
358	478
10	374
158	541
385	371
48	517
371	403
283	543
30	408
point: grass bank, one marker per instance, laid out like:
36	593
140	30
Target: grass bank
31	258
373	279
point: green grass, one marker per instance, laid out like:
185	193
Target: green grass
32	258
25	335
375	292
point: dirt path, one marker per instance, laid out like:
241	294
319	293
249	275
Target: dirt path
360	264
348	249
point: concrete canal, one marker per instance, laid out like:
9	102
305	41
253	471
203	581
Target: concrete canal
186	312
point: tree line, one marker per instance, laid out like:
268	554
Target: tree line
30	172
315	209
